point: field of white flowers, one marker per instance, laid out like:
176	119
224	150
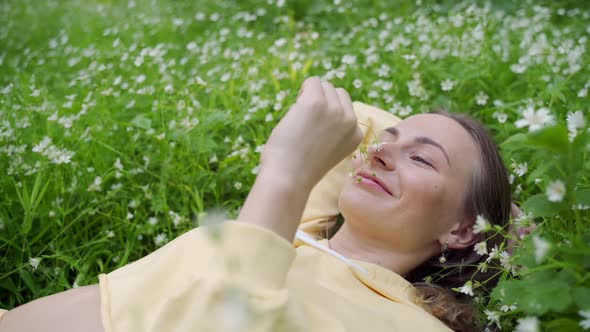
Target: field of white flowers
122	123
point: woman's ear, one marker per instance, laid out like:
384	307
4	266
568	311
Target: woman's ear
461	235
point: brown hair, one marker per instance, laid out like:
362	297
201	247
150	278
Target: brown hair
489	195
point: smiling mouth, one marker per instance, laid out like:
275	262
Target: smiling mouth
372	181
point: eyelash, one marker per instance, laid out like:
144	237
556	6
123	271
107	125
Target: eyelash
420	159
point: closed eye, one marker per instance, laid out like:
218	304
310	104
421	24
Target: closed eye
420	159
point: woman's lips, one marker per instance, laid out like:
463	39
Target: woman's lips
373	181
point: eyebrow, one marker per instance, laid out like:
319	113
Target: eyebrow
422	140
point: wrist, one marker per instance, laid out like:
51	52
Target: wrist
276	202
286	176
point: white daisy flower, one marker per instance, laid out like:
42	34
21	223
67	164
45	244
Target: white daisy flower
481	248
447	85
500	116
585	323
160	239
481	98
467	288
527	324
152	220
555	191
575	121
357	83
535	120
34	262
481	225
506	308
520	169
541	248
493	316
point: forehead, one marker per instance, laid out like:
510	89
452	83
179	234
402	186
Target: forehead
445	131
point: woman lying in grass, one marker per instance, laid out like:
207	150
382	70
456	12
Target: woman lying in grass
414	205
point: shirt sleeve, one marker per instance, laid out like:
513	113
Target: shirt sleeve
226	278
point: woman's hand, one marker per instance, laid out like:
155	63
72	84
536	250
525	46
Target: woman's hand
317	132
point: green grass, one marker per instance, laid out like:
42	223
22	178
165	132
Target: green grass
164	86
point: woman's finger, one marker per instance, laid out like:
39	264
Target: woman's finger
345	100
311	90
332	100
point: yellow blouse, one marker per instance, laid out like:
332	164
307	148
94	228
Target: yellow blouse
241	277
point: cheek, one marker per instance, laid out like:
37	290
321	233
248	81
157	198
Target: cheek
427	190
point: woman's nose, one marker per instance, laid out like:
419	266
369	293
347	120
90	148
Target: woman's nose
378	157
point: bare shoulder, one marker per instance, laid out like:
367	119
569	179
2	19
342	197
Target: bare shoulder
73	310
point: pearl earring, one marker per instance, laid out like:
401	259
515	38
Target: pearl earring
443	257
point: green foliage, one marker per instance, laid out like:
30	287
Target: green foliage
540	206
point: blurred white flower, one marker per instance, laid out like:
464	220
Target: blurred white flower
481	98
160	239
152	221
495	253
585	323
238	185
60	156
500	116
575	121
518	68
357	83
505	260
349	59
34	262
447	85
506	308
483	267
493	316
467	288
481	225
415	87
96	185
555	191
118	165
541	248
140	79
527	324
481	248
520	169
200	16
535	120
45	142
176	218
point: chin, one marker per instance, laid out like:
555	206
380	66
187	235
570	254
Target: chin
364	206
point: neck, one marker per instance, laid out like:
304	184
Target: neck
361	246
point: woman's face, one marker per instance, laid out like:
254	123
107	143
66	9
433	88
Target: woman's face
426	164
